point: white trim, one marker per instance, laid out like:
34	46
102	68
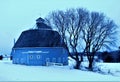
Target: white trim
37	52
28	59
53	64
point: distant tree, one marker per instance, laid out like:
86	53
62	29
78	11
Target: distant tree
11	57
107	57
118	58
99	32
1	57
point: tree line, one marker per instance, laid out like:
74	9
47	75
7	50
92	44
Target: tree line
83	31
1	57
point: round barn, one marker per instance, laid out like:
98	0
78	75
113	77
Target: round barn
40	46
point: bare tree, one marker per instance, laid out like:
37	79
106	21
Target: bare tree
76	21
96	30
99	32
69	25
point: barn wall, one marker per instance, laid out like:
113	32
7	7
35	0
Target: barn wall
39	56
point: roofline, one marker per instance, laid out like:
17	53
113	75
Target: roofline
41	29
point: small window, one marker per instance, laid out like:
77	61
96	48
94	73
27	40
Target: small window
38	56
54	60
22	60
63	59
47	59
59	59
14	51
17	60
31	57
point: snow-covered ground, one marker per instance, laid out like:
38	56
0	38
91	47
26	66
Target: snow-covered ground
104	68
13	72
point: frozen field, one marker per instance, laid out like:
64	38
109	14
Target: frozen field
12	72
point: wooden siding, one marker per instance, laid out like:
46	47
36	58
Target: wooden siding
39	55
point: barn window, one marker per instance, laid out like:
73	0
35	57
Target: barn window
31	56
17	60
47	59
38	56
14	51
59	59
22	60
54	60
63	59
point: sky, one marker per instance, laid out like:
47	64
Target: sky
19	15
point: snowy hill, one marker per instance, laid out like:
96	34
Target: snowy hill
12	72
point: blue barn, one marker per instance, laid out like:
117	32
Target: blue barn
41	46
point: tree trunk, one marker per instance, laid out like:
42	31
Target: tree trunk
81	57
90	65
91	59
77	64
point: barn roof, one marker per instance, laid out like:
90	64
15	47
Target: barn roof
43	26
38	38
43	36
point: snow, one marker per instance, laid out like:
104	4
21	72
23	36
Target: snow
71	62
109	68
104	68
14	72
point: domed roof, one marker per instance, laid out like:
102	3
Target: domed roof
43	36
38	38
